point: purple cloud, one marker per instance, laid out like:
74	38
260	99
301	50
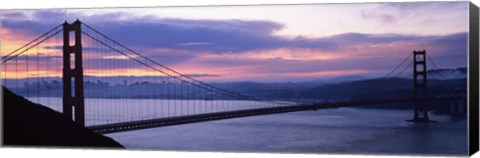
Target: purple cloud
242	36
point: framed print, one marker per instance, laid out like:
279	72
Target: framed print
397	78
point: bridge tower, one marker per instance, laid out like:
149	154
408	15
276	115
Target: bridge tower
420	86
73	98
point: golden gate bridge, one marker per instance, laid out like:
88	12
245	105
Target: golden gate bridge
74	52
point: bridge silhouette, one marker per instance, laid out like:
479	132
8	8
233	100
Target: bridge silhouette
77	54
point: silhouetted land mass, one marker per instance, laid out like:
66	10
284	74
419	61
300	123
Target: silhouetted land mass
29	124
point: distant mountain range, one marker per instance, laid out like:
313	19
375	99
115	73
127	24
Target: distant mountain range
323	89
441	74
440	82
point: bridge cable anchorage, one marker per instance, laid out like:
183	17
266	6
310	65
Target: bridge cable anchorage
384	78
180	74
7	57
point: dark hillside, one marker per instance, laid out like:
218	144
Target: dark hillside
29	124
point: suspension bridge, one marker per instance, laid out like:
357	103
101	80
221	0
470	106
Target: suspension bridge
70	67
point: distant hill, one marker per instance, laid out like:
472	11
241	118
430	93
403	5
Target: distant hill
440	81
383	88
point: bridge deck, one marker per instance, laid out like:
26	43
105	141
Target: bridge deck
135	125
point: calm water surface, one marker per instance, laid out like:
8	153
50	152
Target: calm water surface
343	130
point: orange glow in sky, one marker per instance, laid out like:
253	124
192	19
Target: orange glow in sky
245	43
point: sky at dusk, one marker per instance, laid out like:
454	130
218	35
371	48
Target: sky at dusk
268	43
